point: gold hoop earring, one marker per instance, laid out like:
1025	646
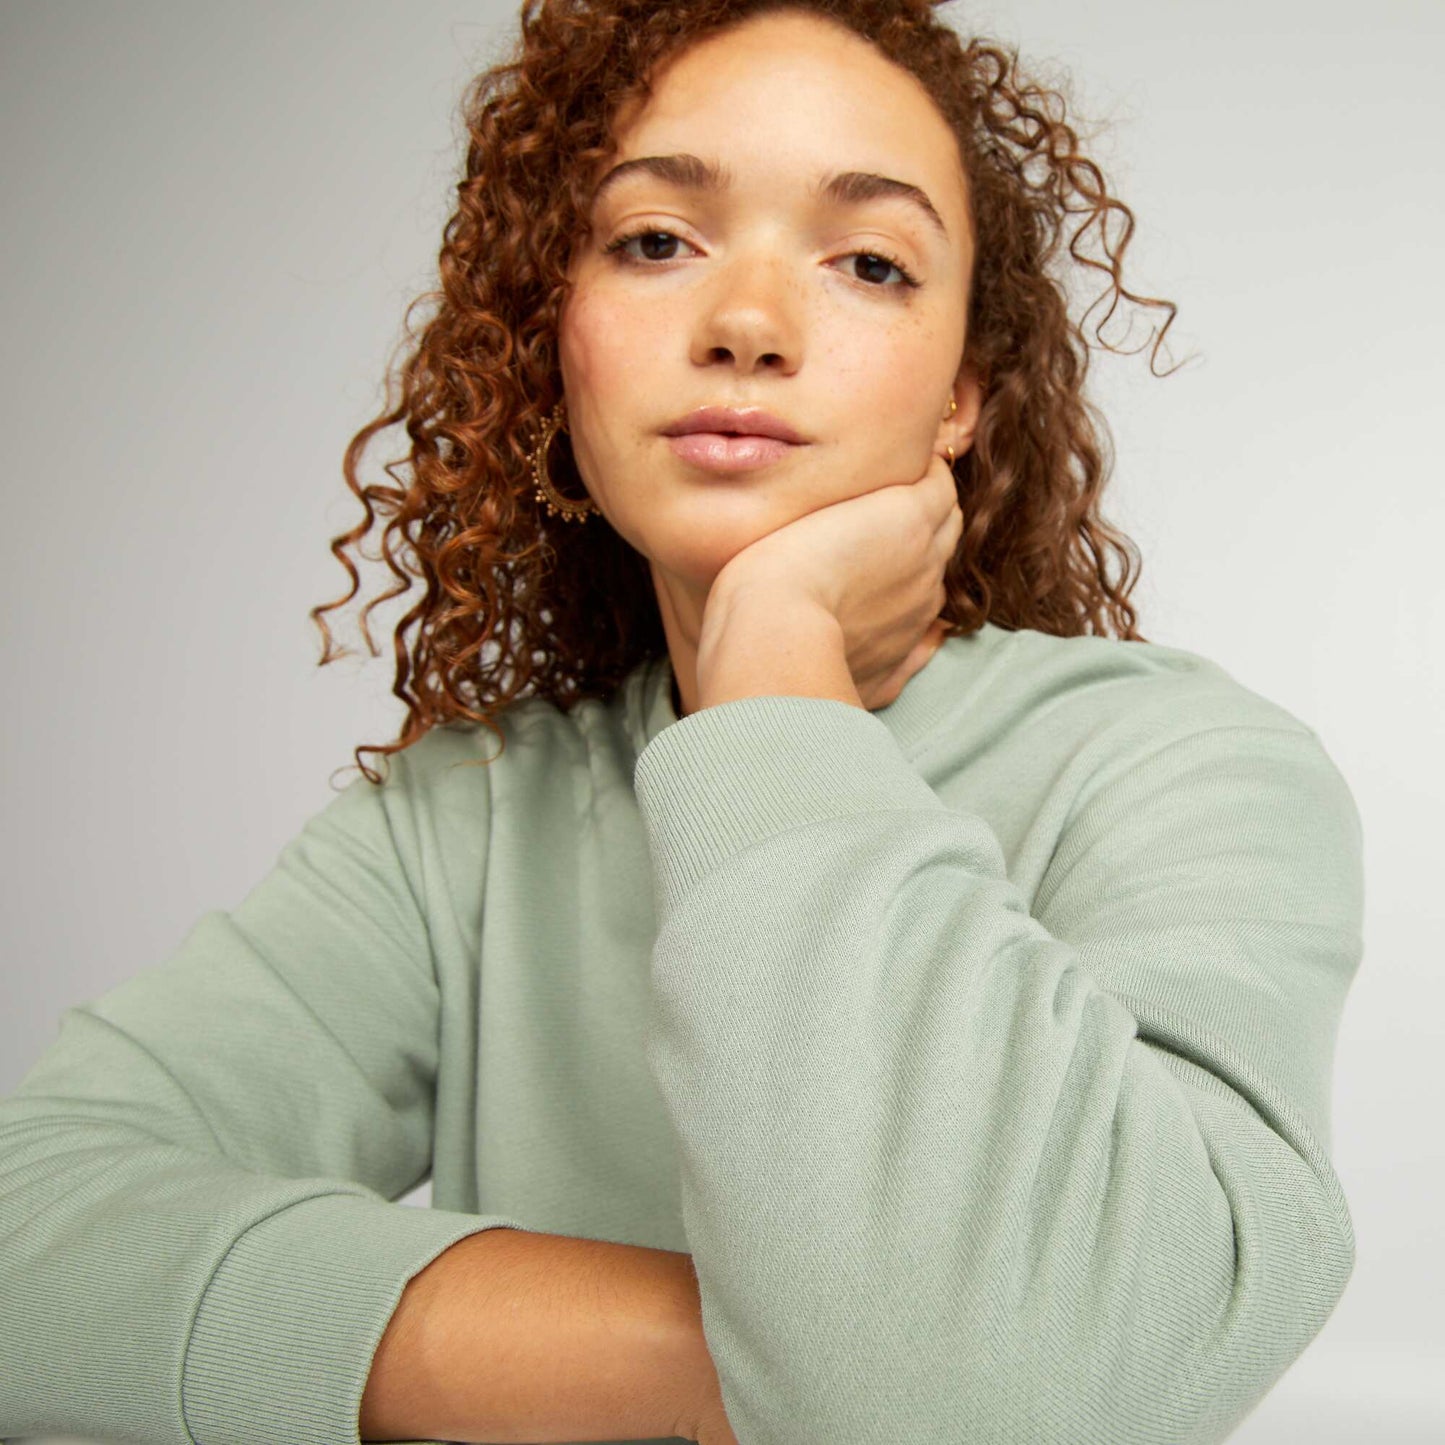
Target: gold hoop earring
952	407
546	493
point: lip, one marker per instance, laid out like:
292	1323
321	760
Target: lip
751	421
716	452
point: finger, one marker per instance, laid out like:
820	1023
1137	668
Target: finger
950	520
947	482
923	652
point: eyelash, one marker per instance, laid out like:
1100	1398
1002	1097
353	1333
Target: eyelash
910	281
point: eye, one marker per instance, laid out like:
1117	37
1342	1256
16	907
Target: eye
889	261
650	234
646	234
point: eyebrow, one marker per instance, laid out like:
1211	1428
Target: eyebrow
692	173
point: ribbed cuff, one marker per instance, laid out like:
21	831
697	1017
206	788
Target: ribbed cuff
805	760
286	1331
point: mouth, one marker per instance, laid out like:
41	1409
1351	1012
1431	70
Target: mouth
730	451
734	421
732	438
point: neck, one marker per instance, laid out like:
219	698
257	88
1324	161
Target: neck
681	607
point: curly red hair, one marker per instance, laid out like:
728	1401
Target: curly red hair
515	604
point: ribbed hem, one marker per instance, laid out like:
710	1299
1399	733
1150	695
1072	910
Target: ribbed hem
286	1331
806	759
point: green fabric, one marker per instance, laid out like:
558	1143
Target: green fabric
978	1049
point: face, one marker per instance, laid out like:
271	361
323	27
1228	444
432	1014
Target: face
842	314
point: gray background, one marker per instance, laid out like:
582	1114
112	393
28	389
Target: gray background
214	216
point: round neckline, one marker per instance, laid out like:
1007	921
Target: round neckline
926	698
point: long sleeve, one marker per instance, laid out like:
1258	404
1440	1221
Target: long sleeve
198	1239
955	1170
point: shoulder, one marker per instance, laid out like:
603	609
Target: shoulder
1143	689
1093	710
459	774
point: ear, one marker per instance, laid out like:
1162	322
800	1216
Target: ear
958	430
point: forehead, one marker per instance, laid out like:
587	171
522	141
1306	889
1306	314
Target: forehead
788	97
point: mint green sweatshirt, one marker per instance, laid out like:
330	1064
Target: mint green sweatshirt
978	1049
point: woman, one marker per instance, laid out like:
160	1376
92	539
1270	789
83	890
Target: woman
861	999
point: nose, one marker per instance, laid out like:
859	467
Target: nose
749	317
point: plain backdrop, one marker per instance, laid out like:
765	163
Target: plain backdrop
213	219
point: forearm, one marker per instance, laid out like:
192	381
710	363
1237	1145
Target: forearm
759	645
515	1336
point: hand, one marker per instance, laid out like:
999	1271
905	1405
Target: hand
875	562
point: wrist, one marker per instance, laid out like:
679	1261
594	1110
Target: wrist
760	641
732	595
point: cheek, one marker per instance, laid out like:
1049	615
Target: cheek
881	375
599	342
